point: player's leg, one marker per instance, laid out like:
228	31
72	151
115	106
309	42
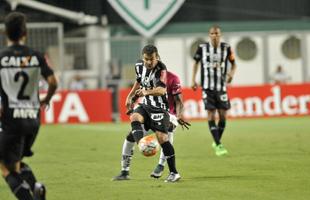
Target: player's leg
18	186
26	172
217	145
38	189
127	153
162	158
137	119
212	127
169	153
158	171
11	148
222	121
27	175
223	104
210	102
135	135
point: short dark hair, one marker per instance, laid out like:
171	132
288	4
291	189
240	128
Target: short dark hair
15	26
215	26
149	49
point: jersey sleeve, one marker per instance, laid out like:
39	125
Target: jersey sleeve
198	55
46	70
138	69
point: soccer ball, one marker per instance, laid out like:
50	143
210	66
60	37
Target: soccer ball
148	145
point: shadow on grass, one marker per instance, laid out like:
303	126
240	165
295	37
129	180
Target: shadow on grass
229	177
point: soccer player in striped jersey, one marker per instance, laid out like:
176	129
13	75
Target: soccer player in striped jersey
20	71
176	109
214	57
151	84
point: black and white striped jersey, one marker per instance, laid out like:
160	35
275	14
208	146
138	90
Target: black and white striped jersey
214	64
150	79
20	72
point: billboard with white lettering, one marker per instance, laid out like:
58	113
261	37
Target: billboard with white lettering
247	101
79	107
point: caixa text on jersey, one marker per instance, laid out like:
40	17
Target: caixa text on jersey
23	61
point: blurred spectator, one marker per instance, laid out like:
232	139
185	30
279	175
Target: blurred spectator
77	83
279	76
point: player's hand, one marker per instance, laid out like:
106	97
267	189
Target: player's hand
184	123
141	93
129	112
44	104
130	104
194	86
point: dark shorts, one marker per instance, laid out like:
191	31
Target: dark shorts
16	142
215	100
156	119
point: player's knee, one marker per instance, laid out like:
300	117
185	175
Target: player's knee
162	138
211	115
136	117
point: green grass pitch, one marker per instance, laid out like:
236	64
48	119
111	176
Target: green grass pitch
269	159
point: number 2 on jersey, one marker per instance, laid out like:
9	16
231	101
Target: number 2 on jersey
21	91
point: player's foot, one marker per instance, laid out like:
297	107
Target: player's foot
158	171
173	178
39	192
124	175
220	150
213	145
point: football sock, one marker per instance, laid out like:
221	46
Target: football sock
130	137
162	158
221	127
27	175
170	157
127	153
214	131
19	187
137	130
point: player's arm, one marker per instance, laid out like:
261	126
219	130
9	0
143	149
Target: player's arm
231	73
157	91
180	110
52	86
50	78
194	84
197	58
131	97
160	88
